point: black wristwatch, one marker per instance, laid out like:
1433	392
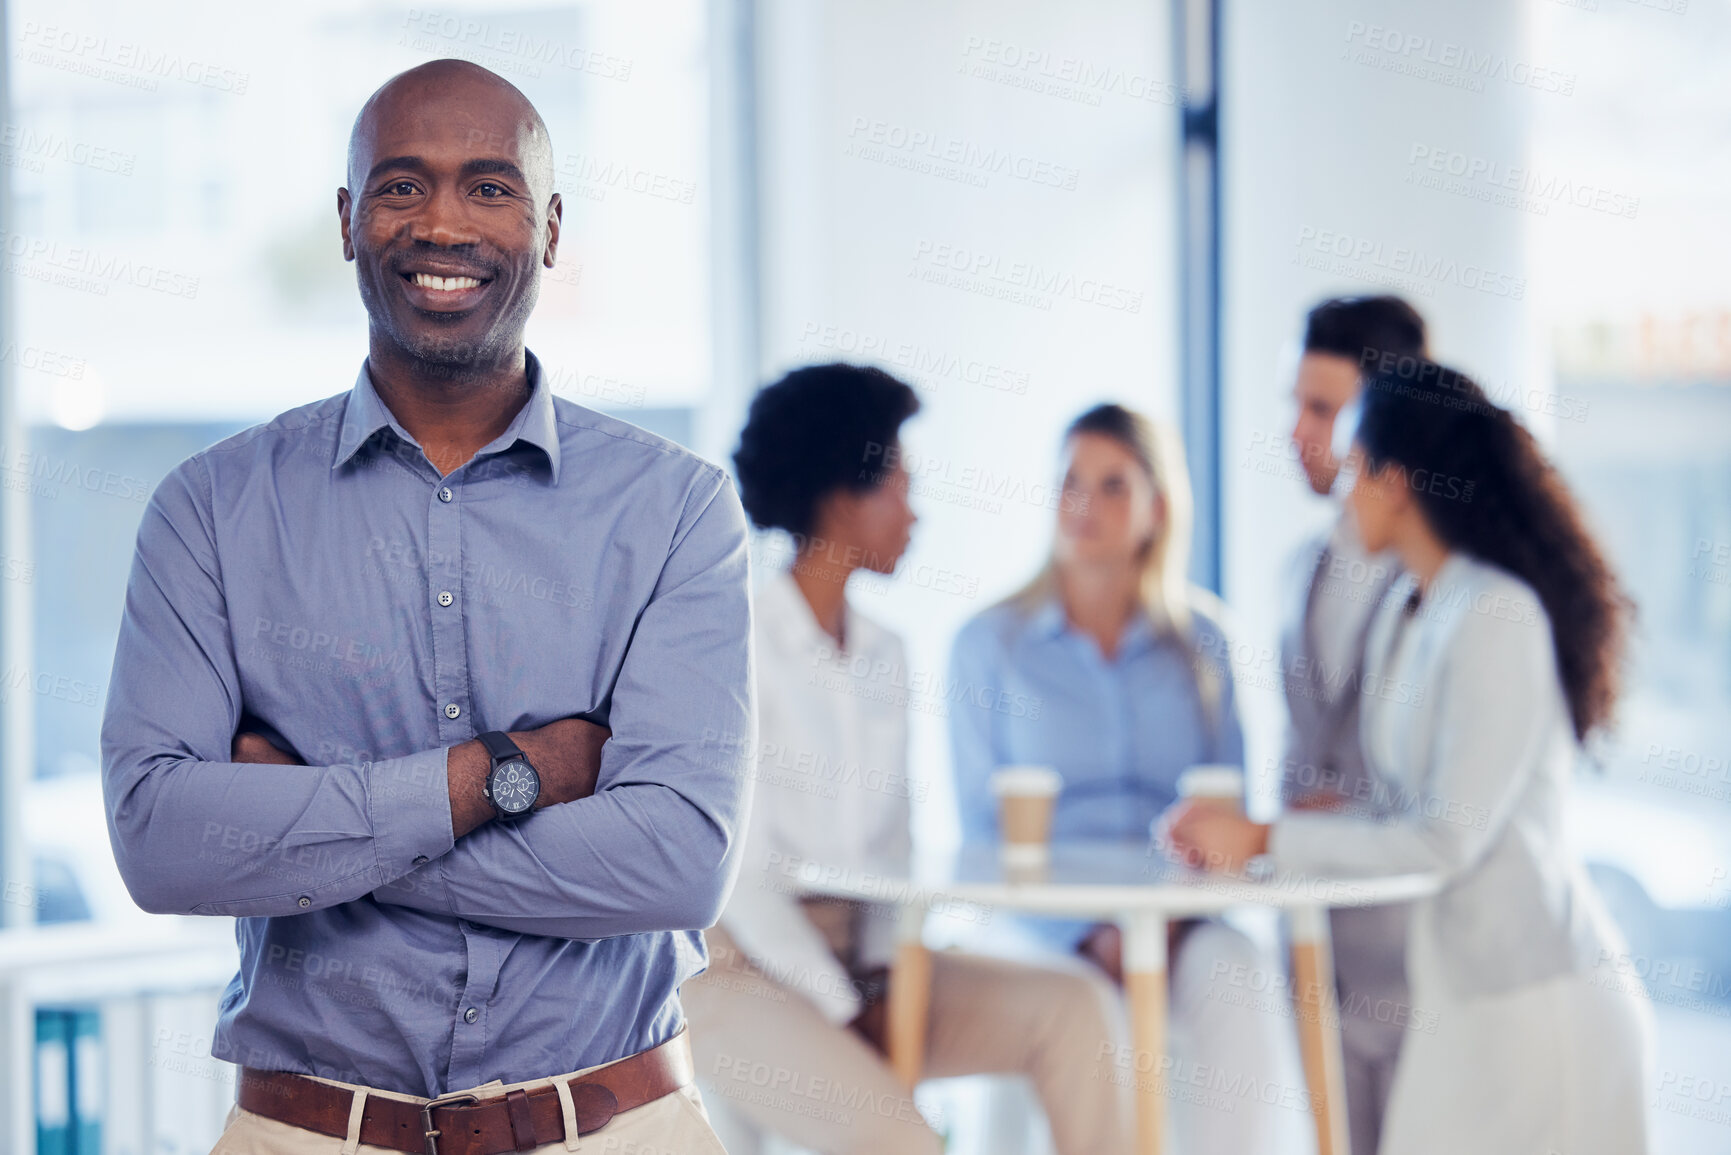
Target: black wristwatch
512	784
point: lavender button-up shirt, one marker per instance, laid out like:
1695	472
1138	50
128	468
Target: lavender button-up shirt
316	579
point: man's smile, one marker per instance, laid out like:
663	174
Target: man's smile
444	289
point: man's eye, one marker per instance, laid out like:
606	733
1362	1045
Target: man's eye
400	188
489	189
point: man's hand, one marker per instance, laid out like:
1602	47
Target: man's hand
256	748
566	754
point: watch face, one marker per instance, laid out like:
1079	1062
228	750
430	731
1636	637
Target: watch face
514	786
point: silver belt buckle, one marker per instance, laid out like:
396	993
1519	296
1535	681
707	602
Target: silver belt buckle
432	1132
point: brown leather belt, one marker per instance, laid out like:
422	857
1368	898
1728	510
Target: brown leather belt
466	1124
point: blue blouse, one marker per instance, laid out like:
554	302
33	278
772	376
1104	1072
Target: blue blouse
1031	689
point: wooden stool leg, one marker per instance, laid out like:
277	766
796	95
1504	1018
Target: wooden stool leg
1317	1009
1145	988
909	998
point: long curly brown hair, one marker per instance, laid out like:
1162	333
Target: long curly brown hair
1509	508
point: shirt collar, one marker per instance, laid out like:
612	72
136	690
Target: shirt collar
535	423
785	610
1048	621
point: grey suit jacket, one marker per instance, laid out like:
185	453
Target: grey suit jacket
1338	587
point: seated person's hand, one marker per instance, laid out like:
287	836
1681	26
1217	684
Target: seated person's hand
1104	945
1215	837
872	1023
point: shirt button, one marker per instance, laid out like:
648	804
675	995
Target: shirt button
471	1015
445	597
304	901
453	710
420	860
445	493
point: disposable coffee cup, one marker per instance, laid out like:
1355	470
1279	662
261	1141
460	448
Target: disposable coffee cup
1026	796
1213	783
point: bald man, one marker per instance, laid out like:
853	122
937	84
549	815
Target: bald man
421	684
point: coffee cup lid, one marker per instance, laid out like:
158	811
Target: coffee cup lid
1211	782
1036	780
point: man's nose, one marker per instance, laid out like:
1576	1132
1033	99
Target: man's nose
444	222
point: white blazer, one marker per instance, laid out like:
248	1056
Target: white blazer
1464	718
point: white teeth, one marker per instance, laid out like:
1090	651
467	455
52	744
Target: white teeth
445	284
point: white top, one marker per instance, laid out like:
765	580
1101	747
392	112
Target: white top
1464	717
832	797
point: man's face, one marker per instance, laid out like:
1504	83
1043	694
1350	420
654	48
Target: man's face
446	225
1324	384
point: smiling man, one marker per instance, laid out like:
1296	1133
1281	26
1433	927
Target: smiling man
415	682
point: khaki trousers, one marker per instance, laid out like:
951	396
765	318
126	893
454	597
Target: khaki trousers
675	1124
791	1072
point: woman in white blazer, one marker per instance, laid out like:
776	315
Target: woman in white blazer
1487	666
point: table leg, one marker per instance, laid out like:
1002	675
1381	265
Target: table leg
1145	988
1317	1009
909	997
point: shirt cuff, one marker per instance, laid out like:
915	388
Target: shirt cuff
409	801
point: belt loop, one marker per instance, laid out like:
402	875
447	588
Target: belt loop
569	1109
356	1109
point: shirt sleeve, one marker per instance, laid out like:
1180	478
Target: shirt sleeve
655	847
283	839
972	750
1497	703
765	919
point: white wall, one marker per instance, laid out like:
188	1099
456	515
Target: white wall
853	94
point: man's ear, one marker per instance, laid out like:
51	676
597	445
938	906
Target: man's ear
555	218
344	203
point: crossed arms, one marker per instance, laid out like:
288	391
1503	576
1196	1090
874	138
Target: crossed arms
638	834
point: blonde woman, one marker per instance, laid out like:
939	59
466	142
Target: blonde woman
1113	668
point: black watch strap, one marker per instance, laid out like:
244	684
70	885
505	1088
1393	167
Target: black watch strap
499	746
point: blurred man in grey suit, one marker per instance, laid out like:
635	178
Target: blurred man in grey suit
1336	586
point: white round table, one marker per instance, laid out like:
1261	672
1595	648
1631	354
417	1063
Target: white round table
1135	886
